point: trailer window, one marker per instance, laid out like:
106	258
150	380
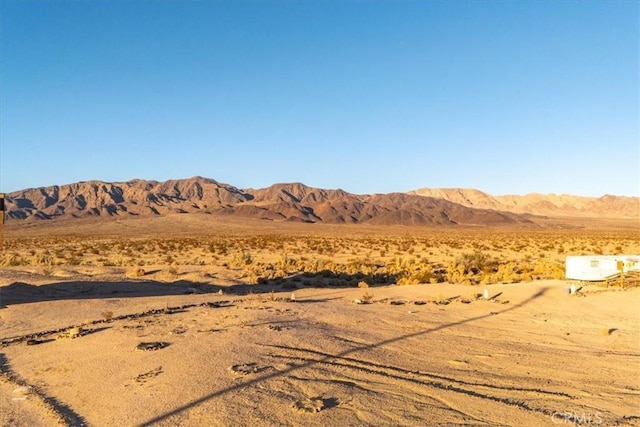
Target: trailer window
595	263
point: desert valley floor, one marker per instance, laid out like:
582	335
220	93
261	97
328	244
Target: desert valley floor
202	343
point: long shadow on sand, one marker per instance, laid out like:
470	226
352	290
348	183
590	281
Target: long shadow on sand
64	411
20	292
238	386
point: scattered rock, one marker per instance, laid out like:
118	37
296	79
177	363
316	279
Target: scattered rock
73	332
21	393
245	369
148	375
309	405
151	346
179	330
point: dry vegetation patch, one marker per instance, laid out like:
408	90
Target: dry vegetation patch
470	256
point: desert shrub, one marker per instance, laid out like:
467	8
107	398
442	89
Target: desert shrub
44	260
251	278
474	262
290	264
455	273
546	269
74	260
417	276
15	261
506	273
241	259
424	274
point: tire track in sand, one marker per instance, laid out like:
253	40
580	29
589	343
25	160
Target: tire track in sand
443	389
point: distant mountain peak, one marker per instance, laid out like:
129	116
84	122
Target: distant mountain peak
296	201
557	205
283	201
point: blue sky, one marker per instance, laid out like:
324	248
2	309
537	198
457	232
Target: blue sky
509	97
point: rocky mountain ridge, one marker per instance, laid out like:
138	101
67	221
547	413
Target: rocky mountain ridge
298	202
279	202
563	205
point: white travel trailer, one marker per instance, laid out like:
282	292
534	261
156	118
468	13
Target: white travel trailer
595	268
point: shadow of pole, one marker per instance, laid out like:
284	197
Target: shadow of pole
339	355
62	410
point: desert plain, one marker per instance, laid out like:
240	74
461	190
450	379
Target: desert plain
194	321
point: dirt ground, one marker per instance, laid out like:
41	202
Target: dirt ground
434	354
86	341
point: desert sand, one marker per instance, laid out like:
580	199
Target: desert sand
412	355
87	342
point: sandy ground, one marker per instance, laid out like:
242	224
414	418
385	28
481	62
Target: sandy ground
531	355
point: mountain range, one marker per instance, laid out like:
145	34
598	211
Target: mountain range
298	202
563	205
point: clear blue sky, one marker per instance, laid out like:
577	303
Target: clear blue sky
509	97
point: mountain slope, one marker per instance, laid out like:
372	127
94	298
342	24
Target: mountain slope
137	197
283	202
540	204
